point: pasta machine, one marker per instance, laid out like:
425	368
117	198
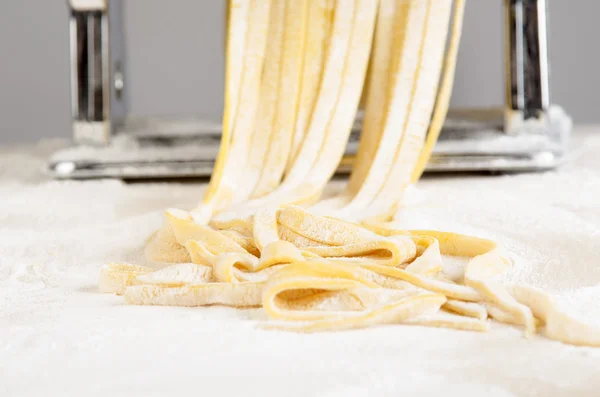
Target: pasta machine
527	134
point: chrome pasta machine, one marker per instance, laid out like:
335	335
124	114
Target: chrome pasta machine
527	134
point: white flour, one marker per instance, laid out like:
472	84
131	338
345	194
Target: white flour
59	336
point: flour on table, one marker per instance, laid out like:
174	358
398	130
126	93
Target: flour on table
58	335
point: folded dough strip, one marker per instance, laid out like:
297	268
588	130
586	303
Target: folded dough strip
558	324
185	229
323	230
313	277
429	259
338	239
226	267
392	313
317	276
327	234
453	291
486	263
479	274
245	241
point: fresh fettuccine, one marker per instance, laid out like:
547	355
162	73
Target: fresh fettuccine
261	238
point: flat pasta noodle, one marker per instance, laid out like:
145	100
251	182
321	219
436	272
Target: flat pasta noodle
295	73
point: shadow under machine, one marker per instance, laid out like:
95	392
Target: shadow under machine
527	134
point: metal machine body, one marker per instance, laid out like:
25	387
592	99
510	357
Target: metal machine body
527	134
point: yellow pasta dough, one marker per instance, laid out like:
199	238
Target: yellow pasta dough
295	72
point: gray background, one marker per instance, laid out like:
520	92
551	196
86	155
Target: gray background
175	61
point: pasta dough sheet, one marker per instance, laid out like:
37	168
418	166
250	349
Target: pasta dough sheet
260	238
261	243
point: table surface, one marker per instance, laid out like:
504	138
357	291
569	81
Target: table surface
60	336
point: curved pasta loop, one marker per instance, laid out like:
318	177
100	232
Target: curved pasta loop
295	73
486	263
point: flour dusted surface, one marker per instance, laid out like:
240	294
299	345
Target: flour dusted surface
60	336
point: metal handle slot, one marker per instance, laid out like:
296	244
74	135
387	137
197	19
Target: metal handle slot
87	64
527	88
97	53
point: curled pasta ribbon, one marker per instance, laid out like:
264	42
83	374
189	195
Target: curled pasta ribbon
325	283
333	238
486	263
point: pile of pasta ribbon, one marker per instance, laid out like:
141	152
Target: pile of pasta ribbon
296	71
